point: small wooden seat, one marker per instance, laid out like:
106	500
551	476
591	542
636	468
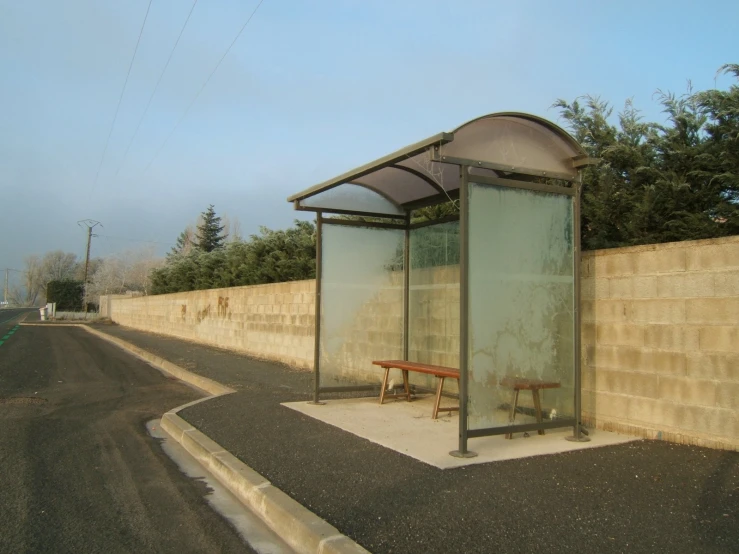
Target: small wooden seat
440	372
534	385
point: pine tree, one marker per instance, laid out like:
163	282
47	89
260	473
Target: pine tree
184	244
210	235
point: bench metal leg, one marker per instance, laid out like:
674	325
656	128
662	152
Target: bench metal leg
406	385
537	408
439	388
384	385
512	413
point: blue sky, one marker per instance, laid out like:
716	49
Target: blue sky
310	90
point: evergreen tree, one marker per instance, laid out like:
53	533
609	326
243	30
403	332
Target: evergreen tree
210	235
184	244
659	182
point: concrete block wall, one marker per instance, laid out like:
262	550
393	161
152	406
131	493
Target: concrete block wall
661	341
660	334
272	321
373	330
434	321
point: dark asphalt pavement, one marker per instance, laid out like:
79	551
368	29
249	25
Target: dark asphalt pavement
78	472
645	496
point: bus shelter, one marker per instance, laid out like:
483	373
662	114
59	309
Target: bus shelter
484	278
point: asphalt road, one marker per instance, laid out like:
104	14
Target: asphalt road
78	470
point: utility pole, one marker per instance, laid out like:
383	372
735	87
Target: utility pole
90	224
6	288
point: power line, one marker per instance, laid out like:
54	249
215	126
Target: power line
187	110
138	240
156	87
120	98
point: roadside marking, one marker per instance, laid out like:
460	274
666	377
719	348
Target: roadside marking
10	333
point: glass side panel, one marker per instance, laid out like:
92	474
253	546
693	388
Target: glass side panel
433	307
521	298
361	303
352	197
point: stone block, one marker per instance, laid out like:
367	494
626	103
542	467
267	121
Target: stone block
715	421
713	311
727	395
719	338
686	285
620	334
587	311
726	283
656	311
645	287
587	377
650	410
714	256
587	265
662	260
590	289
669	363
684	390
638	359
612	405
620	287
613	265
627	382
587	289
587	334
677	338
605	311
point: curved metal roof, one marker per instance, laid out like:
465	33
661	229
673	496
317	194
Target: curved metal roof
506	144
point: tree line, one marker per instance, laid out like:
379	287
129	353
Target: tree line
204	258
127	271
659	182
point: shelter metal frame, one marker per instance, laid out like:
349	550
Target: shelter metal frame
533	150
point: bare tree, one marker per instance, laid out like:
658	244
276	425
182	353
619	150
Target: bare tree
58	265
231	228
124	272
28	294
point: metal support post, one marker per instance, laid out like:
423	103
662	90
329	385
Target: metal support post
464	264
406	286
577	435
317	324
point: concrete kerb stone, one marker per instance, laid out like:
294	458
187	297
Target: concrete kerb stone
299	527
303	530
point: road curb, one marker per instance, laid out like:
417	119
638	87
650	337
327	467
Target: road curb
300	528
303	530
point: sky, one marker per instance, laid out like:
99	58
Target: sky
308	91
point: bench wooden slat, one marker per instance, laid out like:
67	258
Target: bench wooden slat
441	372
438	370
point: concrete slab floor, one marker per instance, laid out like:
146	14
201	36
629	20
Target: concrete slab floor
407	427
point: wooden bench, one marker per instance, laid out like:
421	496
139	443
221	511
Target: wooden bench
440	372
534	385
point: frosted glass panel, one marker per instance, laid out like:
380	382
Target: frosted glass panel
521	318
433	309
361	303
352	197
